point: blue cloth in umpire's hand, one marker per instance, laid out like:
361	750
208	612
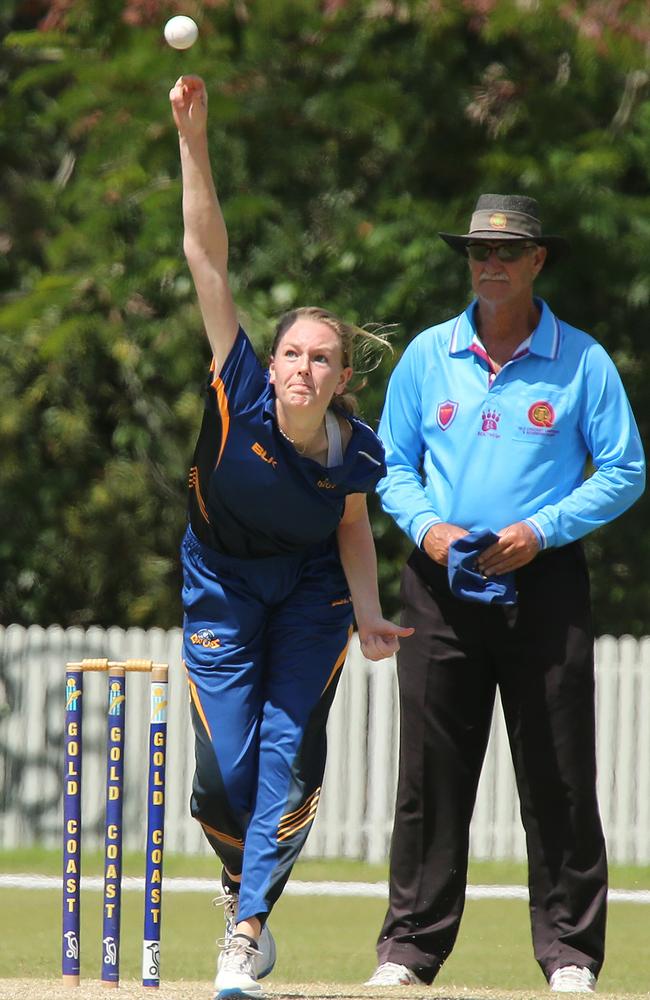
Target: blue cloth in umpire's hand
465	579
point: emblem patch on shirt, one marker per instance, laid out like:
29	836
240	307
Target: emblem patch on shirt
205	637
490	423
445	413
541	414
541	421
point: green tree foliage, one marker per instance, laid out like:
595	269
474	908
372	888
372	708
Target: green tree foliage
344	135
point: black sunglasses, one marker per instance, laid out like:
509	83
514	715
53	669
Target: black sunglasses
504	251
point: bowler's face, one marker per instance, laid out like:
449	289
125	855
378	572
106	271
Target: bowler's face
497	281
307	369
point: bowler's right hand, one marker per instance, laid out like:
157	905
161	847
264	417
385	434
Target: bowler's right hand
189	100
438	539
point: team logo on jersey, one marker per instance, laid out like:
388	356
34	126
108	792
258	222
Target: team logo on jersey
490	420
326	484
262	453
445	413
541	414
490	423
205	637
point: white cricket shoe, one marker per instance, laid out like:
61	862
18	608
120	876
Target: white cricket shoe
391	974
573	979
266	956
237	970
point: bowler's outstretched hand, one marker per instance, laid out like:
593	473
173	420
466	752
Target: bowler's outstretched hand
189	100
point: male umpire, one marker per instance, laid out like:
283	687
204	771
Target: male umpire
489	422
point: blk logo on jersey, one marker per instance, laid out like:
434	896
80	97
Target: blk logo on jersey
541	414
205	637
445	413
264	455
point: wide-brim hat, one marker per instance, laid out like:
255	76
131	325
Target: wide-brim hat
502	217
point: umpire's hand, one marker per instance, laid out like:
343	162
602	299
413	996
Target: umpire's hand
438	539
518	544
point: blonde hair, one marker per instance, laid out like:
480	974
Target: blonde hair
361	348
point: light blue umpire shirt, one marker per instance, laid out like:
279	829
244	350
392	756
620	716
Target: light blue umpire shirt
483	450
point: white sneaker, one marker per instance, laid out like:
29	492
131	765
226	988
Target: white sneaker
237	970
391	974
266	955
573	979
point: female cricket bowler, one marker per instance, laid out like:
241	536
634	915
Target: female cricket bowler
277	554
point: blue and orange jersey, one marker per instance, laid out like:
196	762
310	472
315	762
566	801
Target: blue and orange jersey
251	494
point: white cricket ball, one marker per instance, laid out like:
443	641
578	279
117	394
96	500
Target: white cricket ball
181	32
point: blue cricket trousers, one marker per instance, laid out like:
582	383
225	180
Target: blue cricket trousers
264	643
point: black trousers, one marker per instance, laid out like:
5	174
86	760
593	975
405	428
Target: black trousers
540	654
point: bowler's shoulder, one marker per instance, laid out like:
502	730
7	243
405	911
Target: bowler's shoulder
364	458
362	435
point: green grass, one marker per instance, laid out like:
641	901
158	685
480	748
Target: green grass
326	939
48	862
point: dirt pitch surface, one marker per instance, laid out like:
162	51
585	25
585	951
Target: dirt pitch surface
43	989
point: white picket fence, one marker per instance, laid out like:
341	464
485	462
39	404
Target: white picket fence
356	808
